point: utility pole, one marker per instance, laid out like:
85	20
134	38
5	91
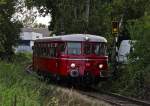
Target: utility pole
114	56
87	13
61	7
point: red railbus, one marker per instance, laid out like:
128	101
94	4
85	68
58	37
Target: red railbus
74	56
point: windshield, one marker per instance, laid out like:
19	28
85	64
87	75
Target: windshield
94	48
74	48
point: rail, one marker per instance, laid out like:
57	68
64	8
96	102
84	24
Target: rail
114	98
111	98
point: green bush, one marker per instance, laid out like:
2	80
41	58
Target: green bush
17	86
140	58
133	80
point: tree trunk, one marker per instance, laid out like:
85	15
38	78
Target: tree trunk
87	13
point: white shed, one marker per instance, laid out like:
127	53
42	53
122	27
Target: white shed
28	36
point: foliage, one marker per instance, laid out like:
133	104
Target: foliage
2	2
129	9
19	88
70	16
140	58
25	16
10	29
36	25
133	78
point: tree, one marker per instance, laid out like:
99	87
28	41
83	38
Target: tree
134	79
124	10
36	25
9	32
70	16
24	15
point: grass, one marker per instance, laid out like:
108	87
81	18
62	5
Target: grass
128	84
18	88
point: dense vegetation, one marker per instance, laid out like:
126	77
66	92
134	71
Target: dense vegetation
71	16
82	16
9	28
135	80
19	88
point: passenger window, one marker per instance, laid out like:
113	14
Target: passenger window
44	51
61	48
87	49
51	50
74	48
95	48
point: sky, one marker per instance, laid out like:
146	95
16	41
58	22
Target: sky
44	20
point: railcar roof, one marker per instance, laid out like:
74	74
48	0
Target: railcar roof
74	37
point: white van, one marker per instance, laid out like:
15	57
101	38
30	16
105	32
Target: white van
124	50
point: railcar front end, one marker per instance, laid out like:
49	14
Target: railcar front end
76	56
84	60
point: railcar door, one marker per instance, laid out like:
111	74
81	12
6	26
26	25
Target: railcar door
61	51
34	56
52	58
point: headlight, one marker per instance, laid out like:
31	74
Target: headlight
100	66
72	65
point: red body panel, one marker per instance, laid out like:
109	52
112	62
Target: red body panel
60	64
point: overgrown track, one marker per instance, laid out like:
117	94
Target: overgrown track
111	98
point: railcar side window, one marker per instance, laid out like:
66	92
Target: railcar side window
51	50
74	48
62	48
87	49
94	48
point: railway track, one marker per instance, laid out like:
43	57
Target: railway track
111	98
